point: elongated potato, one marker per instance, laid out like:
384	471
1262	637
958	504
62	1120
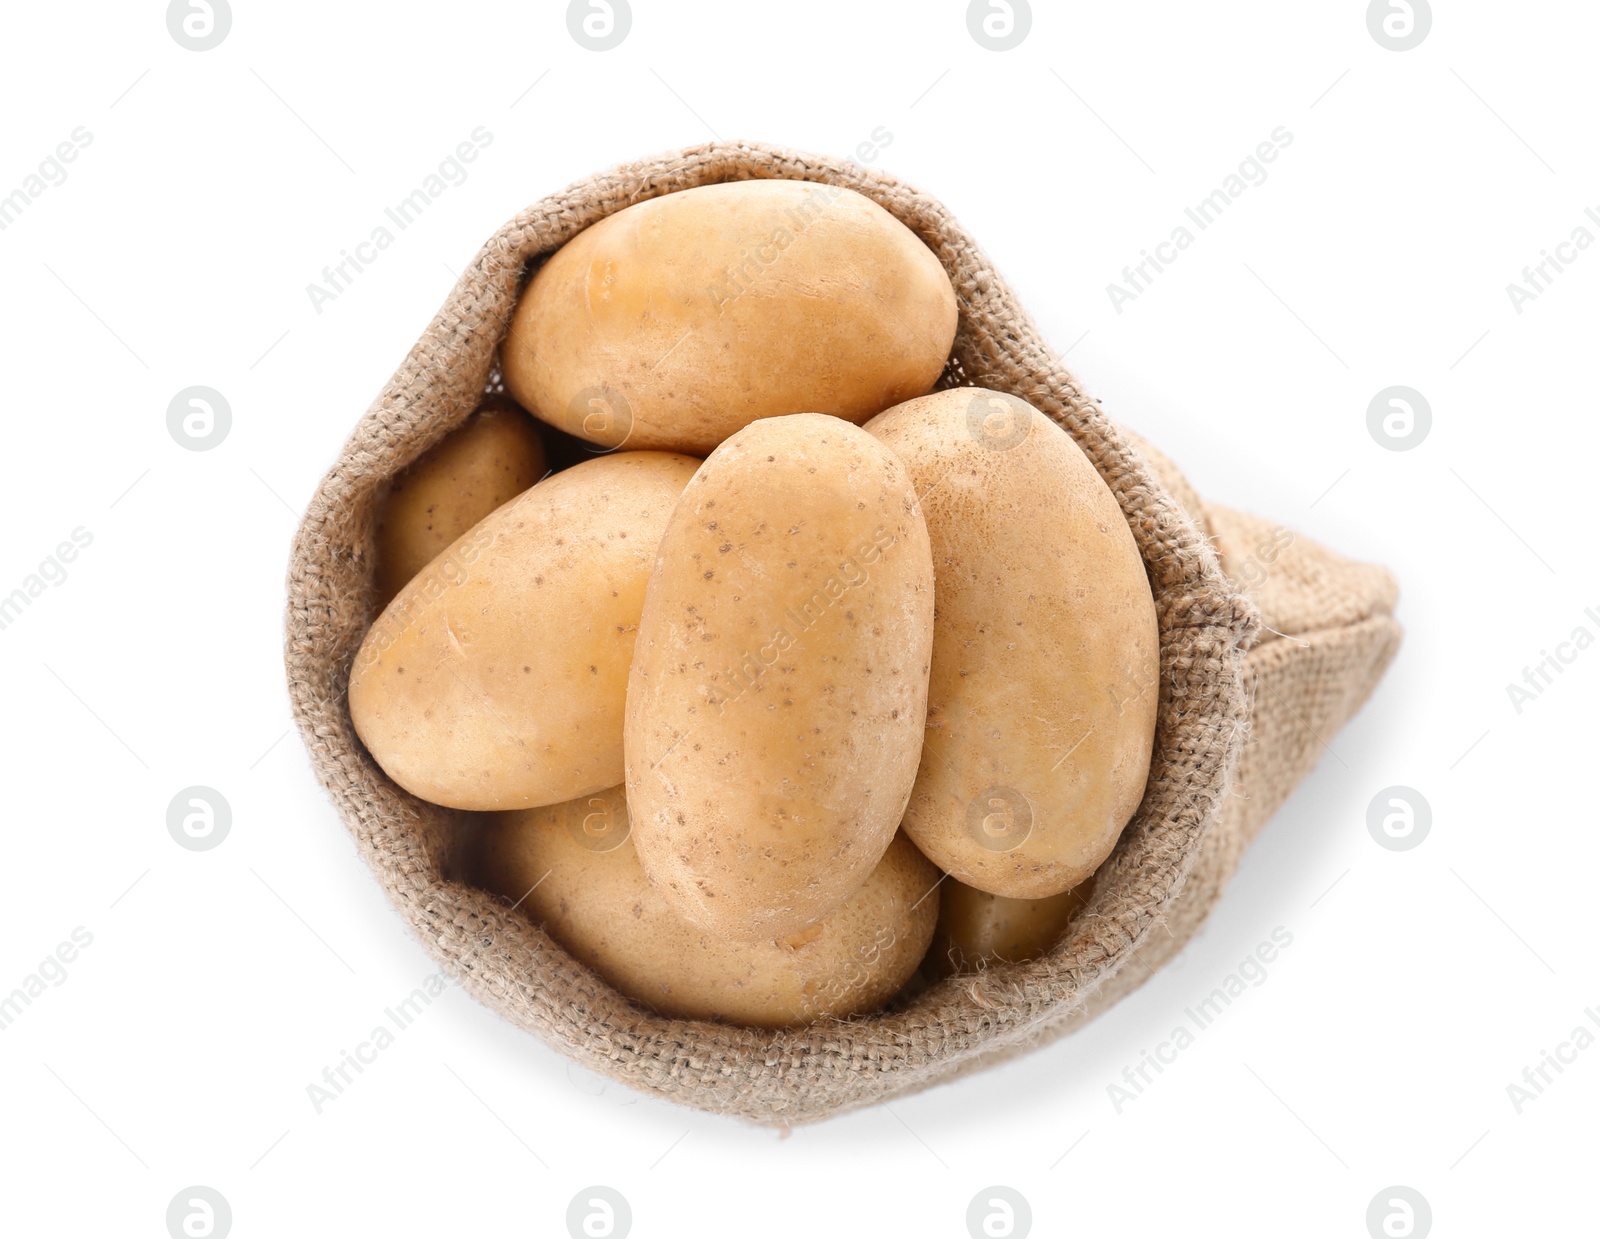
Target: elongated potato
678	320
497	677
490	459
776	704
976	928
574	869
1042	698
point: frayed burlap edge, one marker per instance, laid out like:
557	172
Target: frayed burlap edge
510	964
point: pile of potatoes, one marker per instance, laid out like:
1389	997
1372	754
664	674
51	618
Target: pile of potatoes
807	684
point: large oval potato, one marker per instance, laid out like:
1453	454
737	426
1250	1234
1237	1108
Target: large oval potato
1042	697
488	460
976	928
776	704
676	321
574	869
497	678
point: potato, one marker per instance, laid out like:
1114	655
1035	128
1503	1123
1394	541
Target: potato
1042	697
496	679
776	703
573	868
976	928
676	321
488	460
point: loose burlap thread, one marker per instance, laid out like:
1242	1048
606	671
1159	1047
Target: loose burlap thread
1151	894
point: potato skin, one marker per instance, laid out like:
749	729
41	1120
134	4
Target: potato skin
778	692
1042	698
976	928
497	678
678	320
488	460
574	869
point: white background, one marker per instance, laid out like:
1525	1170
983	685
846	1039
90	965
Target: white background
219	984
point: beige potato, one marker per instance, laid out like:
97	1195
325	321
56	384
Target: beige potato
497	677
976	928
1042	697
676	321
488	460
574	869
776	703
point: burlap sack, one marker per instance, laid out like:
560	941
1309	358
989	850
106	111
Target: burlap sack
1207	793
